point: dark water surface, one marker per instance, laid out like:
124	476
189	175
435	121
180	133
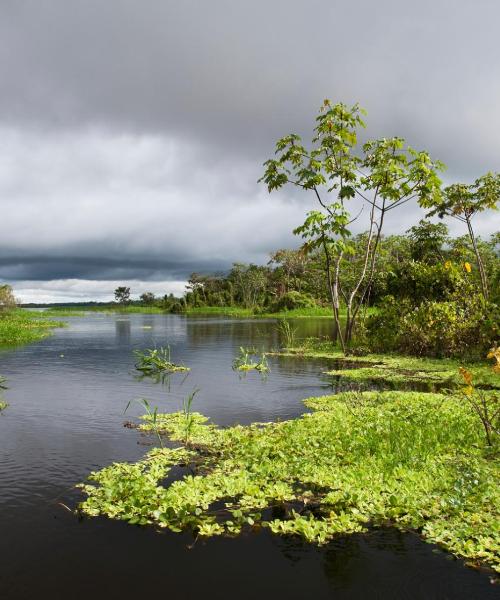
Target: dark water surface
67	396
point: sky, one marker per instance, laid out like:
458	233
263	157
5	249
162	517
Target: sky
132	134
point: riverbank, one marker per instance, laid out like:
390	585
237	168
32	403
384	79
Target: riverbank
21	326
223	311
404	372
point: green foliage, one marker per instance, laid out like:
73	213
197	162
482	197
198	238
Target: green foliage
427	241
421	281
383	173
451	328
286	333
245	361
292	300
156	360
152	415
417	461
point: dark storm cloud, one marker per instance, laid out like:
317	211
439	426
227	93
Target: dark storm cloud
132	133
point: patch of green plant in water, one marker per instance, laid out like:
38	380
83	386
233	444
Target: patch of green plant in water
156	360
23	327
245	361
411	460
396	368
286	333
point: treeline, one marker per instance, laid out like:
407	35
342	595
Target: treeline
424	264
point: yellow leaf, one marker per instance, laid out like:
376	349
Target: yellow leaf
467	267
447	264
466	376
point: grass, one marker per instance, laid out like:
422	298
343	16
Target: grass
232	311
415	461
227	311
79	311
23	327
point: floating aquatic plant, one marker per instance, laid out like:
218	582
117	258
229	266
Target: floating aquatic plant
246	361
156	360
411	460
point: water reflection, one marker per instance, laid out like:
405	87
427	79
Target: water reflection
123	331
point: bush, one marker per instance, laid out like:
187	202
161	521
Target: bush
419	281
440	329
292	300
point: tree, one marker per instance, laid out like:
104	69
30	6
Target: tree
7	300
462	201
292	265
147	298
122	295
386	175
427	241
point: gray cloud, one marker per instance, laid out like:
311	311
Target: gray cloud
132	133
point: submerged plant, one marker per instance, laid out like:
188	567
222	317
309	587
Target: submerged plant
156	360
246	361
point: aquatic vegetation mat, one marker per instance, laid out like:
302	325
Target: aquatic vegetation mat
247	361
22	327
156	360
416	461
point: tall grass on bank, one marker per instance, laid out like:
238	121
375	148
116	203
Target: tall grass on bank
22	327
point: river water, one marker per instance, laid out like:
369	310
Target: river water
67	396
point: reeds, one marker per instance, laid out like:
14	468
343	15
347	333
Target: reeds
286	333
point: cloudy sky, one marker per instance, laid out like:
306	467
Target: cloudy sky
132	133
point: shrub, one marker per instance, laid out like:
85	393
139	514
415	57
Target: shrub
451	328
292	300
419	281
